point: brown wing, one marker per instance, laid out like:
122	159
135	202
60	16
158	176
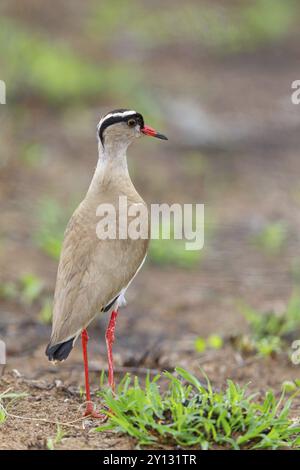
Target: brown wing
91	273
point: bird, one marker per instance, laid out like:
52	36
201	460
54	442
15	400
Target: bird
93	274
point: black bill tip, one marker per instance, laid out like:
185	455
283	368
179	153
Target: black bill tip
160	136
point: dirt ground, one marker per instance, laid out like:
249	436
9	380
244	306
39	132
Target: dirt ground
244	184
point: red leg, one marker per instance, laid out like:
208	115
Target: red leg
89	405
110	337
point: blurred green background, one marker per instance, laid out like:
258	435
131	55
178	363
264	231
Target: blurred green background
215	76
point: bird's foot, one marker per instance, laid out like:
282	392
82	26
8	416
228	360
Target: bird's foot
92	413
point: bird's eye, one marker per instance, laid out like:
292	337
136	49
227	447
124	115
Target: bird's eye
131	122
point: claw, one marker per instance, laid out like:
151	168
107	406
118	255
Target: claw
92	413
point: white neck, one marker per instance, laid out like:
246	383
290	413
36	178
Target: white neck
112	164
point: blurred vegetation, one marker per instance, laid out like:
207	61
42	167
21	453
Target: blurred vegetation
291	386
195	164
45	314
35	66
26	290
173	253
168	250
32	154
212	342
232	28
270	333
272	238
52	220
295	270
29	290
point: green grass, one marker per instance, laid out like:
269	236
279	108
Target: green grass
270	333
190	414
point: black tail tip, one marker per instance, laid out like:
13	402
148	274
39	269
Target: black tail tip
60	351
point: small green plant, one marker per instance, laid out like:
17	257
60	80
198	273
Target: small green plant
269	332
31	288
291	386
189	413
213	342
52	442
272	238
268	346
6	399
27	290
272	324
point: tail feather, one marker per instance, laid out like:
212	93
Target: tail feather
60	351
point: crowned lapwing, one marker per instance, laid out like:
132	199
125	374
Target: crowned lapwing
94	273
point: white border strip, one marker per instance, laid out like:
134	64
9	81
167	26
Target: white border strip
124	114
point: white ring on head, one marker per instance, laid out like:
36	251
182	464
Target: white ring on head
123	114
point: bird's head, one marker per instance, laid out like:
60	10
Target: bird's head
124	126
